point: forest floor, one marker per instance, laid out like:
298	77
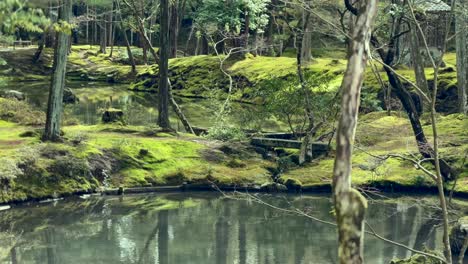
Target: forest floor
109	156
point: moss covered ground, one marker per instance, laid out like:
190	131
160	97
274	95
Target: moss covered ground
379	135
104	156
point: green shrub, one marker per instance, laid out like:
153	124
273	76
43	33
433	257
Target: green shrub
8	171
20	112
70	166
226	133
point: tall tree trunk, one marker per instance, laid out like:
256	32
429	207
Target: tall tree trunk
462	55
87	23
174	29
111	28
163	107
417	61
54	108
306	54
247	29
40	47
305	150
103	38
350	205
127	44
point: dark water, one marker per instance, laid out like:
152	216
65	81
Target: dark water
139	108
199	228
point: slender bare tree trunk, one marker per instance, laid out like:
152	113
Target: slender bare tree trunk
307	38
174	29
462	55
350	205
417	61
87	23
54	108
305	145
163	107
40	47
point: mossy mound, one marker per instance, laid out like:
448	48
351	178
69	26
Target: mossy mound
379	134
110	156
200	76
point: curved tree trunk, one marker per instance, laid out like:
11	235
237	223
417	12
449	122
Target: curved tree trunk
350	205
425	149
54	108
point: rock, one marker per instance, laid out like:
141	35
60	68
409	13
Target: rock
4	207
14	94
113	115
293	185
417	259
143	152
69	97
273	187
458	235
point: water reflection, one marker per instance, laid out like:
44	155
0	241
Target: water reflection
139	108
198	228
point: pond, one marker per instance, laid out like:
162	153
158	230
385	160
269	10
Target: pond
139	108
201	228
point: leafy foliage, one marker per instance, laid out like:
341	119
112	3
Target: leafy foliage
17	14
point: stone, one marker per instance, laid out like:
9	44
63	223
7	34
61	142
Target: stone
113	115
458	234
293	185
14	95
69	97
273	187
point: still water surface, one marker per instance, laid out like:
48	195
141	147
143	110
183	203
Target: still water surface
139	108
201	228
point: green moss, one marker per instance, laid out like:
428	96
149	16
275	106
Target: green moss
379	134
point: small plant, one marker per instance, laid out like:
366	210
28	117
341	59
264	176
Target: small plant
8	171
226	133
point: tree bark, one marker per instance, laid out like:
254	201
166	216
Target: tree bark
417	61
163	107
350	205
174	29
462	55
305	145
307	39
103	38
54	108
40	47
178	111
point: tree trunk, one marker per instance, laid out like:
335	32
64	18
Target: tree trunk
163	107
178	111
417	61
425	149
103	38
350	205
305	150
462	55
40	47
247	29
111	18
174	29
306	39
54	108
87	23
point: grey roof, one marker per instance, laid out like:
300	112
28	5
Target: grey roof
432	5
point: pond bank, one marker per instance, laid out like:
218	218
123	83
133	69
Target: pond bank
392	189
